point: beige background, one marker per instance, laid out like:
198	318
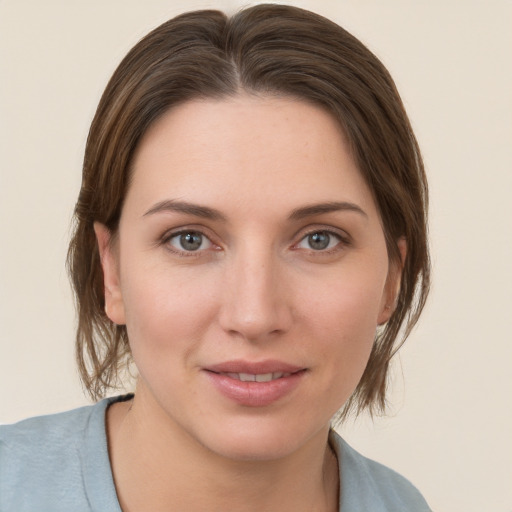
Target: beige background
450	427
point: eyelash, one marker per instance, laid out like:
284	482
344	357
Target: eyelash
343	241
166	239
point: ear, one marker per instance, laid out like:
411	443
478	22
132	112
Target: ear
392	287
114	305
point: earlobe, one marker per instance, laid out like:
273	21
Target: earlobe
392	288
114	305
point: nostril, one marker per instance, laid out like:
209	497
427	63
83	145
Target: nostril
252	307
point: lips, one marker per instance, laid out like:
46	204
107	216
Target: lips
255	384
259	377
254	367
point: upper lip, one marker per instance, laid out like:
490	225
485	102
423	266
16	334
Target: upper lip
253	367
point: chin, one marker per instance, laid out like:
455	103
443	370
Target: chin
247	448
258	440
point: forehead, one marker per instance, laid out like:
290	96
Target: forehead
270	150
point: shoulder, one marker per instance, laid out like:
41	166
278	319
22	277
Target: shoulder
44	459
369	485
53	437
50	427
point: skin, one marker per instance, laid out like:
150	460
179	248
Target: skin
255	289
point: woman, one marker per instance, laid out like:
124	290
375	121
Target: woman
251	232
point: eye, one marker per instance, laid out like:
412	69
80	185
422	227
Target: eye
189	241
319	241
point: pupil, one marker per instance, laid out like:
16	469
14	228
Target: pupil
191	241
319	240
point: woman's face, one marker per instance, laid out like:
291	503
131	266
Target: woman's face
251	272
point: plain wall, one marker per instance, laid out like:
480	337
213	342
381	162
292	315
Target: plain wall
450	423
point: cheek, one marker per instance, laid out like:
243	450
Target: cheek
343	321
351	302
166	313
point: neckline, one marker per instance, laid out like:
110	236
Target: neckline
98	477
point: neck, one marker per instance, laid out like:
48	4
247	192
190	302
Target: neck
157	466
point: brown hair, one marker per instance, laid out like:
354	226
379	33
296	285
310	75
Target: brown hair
267	49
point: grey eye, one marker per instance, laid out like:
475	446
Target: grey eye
189	241
319	241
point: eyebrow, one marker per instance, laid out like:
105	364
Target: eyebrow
205	212
171	205
321	208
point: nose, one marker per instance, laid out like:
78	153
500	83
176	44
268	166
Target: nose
256	305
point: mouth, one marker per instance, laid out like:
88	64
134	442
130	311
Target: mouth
255	377
252	370
255	384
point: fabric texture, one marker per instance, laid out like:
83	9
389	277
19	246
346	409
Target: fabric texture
60	463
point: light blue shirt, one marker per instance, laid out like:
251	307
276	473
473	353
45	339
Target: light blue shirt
60	463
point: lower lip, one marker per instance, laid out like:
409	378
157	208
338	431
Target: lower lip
255	394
